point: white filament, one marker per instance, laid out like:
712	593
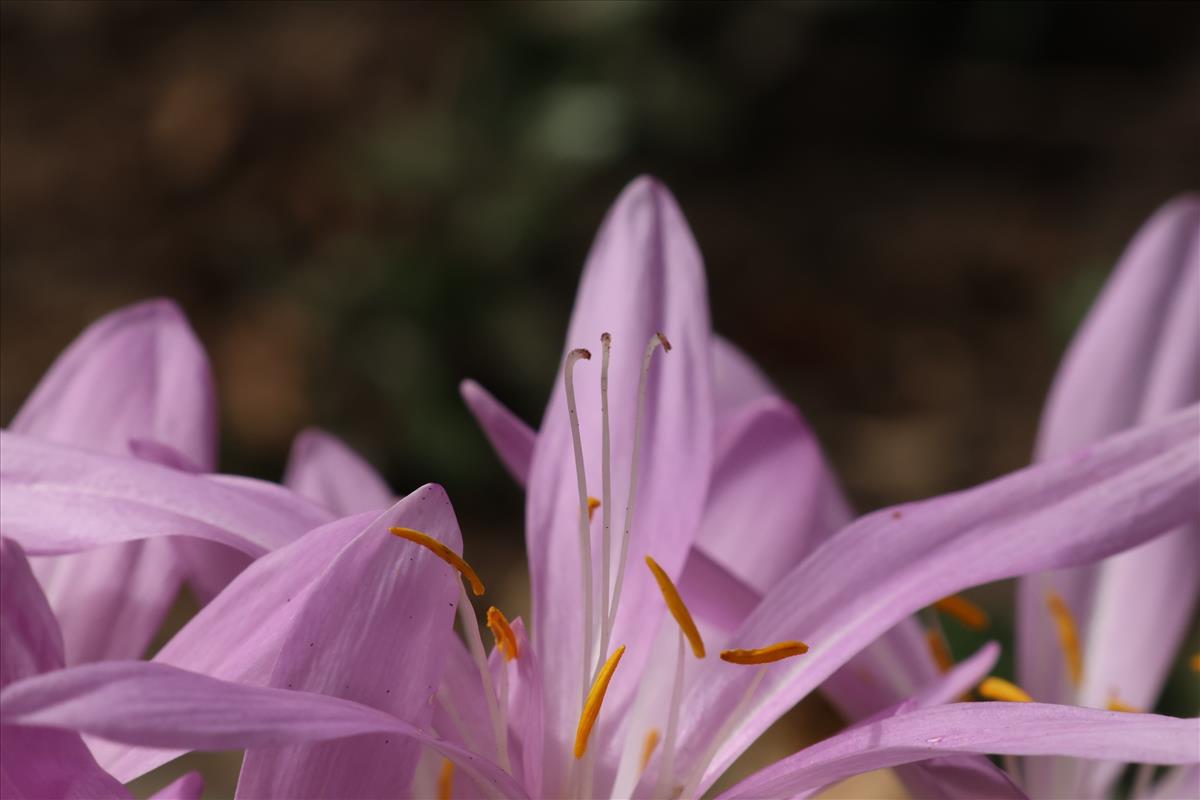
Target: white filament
605	503
466	615
662	786
731	722
656	341
585	539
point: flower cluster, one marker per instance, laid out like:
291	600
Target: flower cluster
696	571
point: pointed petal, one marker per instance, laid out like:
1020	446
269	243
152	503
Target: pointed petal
327	471
508	434
1013	728
887	565
111	600
138	373
737	380
153	704
58	499
374	631
189	786
644	274
773	496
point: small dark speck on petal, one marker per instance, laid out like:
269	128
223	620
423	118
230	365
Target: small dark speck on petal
310	644
389	691
896	515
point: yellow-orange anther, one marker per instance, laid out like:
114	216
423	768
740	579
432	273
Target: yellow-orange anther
765	655
1068	636
937	646
446	780
652	737
1000	689
595	697
1115	704
963	610
444	553
593	504
1194	662
676	605
505	640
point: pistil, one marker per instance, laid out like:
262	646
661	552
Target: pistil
585	539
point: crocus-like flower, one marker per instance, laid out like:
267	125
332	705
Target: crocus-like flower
1105	635
345	631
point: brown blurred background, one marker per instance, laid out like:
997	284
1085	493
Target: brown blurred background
904	209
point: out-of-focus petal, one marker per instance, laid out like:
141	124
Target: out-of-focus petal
1178	783
327	471
58	499
772	496
374	630
1067	512
508	434
737	380
111	600
157	705
138	373
38	763
644	275
32	642
189	786
1013	728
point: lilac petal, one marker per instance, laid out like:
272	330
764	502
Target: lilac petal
32	643
189	786
737	380
1179	783
153	704
327	471
1013	728
1069	511
373	631
769	469
239	635
714	594
644	274
111	600
38	763
58	499
138	373
508	434
526	709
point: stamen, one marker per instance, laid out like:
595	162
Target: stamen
735	718
505	639
765	655
1194	662
606	491
1115	704
446	780
656	341
999	689
677	607
444	553
1068	636
941	653
652	737
666	767
585	539
593	504
963	610
595	697
466	615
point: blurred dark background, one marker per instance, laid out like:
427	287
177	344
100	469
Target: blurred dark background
904	209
